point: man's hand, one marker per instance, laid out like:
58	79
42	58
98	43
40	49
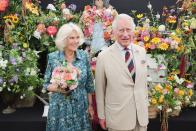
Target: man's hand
102	123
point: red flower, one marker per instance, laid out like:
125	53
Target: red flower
3	5
52	30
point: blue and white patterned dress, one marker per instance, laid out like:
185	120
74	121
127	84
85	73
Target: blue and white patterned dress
70	114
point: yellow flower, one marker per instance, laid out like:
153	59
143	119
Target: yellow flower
153	101
15	19
158	88
25	45
163	46
168	87
147	45
146	38
9	24
32	8
180	48
139	16
170	78
190	92
181	92
161	99
156	40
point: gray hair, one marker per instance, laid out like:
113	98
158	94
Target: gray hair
125	17
64	32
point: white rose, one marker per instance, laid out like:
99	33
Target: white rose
161	28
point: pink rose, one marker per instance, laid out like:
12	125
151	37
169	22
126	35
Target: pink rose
52	30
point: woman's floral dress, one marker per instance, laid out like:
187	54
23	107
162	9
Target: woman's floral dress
70	113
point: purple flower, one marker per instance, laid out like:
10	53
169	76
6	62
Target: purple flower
14	45
14	79
172	11
1	80
72	7
13	61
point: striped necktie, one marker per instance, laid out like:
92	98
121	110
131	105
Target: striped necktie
129	62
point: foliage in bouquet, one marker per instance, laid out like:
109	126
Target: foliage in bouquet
66	76
18	69
91	15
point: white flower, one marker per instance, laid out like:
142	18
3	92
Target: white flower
30	88
179	81
177	107
149	6
193	23
21	97
20	59
51	7
169	110
8	89
1	89
66	11
0	54
160	107
161	28
33	72
37	34
3	63
147	21
36	53
174	44
43	90
4	84
179	103
158	16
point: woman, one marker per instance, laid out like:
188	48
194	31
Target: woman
100	29
70	113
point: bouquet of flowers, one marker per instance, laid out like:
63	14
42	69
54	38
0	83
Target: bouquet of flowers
66	77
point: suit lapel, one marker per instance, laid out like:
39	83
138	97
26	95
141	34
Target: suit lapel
118	57
137	60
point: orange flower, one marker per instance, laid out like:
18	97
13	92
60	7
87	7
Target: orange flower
68	76
106	35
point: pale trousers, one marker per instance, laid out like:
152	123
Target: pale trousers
137	128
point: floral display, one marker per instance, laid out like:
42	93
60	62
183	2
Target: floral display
92	15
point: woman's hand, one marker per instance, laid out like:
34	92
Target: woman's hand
91	111
53	87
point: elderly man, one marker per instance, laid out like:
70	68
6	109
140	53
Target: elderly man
121	81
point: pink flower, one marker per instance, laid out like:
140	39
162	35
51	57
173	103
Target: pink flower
152	46
52	30
176	90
